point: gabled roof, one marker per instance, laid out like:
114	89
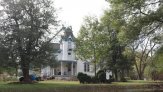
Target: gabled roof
56	46
68	34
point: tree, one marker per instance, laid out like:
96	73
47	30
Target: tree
155	67
91	42
139	27
98	41
118	60
86	43
117	45
25	27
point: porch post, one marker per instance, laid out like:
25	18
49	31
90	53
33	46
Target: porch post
53	72
61	68
72	69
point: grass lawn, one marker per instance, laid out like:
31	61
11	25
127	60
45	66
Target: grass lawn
36	87
74	86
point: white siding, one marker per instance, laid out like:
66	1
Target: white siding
80	68
64	51
63	56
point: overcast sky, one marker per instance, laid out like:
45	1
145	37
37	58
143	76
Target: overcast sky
72	12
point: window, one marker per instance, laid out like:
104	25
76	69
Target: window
69	53
86	67
59	51
69	39
69	45
69	49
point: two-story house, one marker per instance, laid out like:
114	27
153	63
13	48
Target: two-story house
69	65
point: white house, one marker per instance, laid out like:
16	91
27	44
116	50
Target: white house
69	65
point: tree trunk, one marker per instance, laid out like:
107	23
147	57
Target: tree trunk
116	75
25	70
16	70
141	75
95	68
26	75
122	74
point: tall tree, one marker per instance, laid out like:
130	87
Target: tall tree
97	41
139	26
85	43
155	67
25	27
88	42
118	43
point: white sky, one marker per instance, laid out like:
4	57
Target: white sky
72	12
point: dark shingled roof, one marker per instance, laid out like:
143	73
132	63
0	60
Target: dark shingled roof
68	32
56	46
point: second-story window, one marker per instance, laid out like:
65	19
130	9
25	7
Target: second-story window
69	45
69	53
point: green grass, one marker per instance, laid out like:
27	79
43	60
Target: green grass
42	86
136	82
74	86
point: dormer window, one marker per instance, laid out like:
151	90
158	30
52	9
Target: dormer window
69	39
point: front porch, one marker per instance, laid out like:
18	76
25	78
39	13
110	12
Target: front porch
65	70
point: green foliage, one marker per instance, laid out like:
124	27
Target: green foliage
103	43
139	27
138	17
87	40
84	78
25	28
10	70
157	62
101	76
91	42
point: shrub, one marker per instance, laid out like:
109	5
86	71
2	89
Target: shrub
84	78
123	79
88	79
99	78
111	78
101	75
80	77
95	79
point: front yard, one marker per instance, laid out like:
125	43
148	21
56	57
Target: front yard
74	86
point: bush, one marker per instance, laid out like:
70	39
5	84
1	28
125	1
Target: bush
95	79
80	77
101	75
112	79
84	78
123	79
99	78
